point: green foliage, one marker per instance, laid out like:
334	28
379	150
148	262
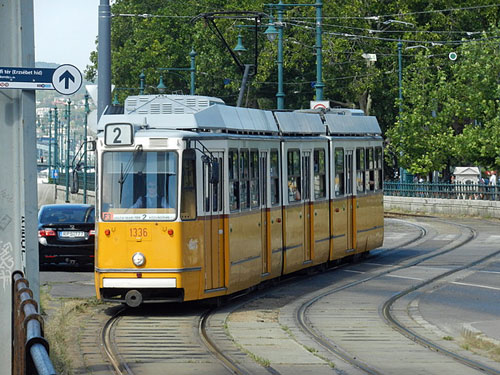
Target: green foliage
449	108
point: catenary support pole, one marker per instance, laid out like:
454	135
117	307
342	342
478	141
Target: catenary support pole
104	58
18	189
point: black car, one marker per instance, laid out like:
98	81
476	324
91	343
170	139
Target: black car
66	233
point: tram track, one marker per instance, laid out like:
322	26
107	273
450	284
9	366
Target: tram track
211	341
330	346
129	364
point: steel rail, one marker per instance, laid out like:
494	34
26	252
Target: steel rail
119	367
304	323
397	325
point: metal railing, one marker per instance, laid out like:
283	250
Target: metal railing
30	352
441	190
61	180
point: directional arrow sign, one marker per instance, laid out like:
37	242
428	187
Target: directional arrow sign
67	79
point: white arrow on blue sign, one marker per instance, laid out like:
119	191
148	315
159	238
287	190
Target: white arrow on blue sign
67	79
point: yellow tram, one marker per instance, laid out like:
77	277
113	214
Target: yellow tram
196	199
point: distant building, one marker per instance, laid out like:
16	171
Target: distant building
467	175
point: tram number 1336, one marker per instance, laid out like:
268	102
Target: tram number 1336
136	232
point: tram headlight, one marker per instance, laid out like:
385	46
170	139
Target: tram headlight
138	259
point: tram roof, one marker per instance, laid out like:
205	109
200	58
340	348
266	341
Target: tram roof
351	125
204	113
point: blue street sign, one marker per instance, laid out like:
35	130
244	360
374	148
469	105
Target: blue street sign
26	78
66	79
55	173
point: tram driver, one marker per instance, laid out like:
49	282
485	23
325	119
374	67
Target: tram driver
151	199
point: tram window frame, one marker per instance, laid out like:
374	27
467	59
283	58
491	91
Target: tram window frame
188	185
360	170
370	169
234	183
379	168
254	179
339	155
275	177
294	177
319	173
244	179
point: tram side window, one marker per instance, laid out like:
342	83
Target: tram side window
378	165
234	191
293	163
370	169
360	170
188	197
254	178
319	174
275	178
339	172
244	180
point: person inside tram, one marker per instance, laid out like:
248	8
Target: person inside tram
151	199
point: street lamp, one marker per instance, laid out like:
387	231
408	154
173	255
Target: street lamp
239	46
271	35
192	69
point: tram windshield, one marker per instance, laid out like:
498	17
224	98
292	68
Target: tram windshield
139	185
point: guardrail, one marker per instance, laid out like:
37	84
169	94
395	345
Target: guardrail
61	180
440	190
30	352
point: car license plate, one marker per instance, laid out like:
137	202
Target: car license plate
71	234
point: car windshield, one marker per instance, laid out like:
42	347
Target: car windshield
139	185
67	214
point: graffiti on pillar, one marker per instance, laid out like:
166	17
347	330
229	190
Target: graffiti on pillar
4	194
4	221
6	264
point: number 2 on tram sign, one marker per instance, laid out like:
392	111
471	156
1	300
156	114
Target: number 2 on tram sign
118	135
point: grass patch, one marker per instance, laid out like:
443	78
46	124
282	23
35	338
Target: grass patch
448	338
62	327
477	344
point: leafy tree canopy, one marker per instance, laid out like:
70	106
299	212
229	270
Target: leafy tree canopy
449	111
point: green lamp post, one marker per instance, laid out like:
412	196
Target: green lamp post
85	160
50	145
271	33
68	116
56	151
192	69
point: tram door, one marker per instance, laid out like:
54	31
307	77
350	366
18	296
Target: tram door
213	201
349	173
265	215
306	198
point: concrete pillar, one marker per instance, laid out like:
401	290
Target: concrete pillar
18	188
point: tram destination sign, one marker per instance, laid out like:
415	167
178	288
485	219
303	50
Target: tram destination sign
65	79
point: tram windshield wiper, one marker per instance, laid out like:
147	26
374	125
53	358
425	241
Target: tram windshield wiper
128	167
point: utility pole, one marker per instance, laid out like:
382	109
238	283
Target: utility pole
18	191
104	58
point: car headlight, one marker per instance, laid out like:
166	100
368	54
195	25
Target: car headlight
138	259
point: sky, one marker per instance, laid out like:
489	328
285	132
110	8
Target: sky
65	31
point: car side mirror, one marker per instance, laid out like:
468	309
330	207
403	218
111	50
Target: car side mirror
91	146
